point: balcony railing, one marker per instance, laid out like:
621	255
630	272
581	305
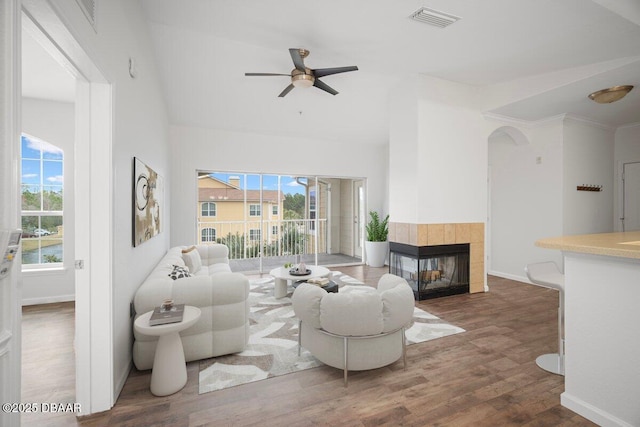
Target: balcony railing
266	238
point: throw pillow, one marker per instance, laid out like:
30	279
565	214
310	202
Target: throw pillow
179	272
192	259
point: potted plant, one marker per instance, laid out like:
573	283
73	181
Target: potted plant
376	245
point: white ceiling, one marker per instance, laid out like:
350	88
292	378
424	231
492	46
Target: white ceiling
204	47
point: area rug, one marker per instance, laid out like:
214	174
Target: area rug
273	341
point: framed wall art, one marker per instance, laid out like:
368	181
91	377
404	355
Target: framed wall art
147	202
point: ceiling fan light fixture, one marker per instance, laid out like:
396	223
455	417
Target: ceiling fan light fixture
612	94
302	80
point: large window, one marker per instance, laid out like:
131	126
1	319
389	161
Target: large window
208	234
255	210
208	209
42	203
254	234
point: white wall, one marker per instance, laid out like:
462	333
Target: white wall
526	199
140	129
403	148
194	149
587	160
452	154
53	122
627	150
531	200
437	153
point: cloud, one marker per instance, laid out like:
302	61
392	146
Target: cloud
293	184
38	144
29	175
58	179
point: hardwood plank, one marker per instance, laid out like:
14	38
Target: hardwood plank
484	377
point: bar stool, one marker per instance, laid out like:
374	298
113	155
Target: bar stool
548	274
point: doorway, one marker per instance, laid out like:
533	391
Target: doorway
359	217
94	390
47	200
630	196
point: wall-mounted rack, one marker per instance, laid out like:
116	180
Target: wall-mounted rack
584	187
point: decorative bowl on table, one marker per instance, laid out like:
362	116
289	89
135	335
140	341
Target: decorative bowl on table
298	272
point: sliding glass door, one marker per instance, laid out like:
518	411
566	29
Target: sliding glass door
267	220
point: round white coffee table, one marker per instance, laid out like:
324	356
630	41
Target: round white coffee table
282	277
169	373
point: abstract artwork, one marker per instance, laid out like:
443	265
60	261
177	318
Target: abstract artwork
147	202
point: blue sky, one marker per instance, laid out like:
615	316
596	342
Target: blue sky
51	163
288	185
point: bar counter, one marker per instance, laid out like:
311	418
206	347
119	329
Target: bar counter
602	325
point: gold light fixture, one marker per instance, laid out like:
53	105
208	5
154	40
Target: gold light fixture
612	94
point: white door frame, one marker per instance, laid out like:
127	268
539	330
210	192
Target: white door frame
93	207
359	217
622	192
10	290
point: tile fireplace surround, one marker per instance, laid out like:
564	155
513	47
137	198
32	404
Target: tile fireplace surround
447	234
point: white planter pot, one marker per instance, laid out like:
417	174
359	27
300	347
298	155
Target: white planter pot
376	253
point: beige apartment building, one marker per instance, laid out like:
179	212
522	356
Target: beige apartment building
224	208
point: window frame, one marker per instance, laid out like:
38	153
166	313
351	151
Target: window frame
253	232
209	230
253	207
209	205
41	213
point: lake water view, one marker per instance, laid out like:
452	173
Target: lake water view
31	257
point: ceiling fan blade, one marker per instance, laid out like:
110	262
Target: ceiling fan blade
325	87
297	59
321	72
286	91
266	74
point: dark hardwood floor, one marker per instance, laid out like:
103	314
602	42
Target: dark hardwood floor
484	377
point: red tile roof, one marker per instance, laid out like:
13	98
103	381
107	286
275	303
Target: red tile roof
232	194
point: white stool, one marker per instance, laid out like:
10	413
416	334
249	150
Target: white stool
548	274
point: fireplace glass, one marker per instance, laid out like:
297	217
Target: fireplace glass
431	271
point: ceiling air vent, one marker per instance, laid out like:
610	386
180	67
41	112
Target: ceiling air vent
89	9
433	17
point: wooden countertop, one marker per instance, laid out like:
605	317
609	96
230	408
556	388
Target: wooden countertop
624	245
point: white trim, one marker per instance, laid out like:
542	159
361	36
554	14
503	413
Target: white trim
630	125
36	272
590	412
519	122
565	116
575	117
48	300
10	290
509	276
94	337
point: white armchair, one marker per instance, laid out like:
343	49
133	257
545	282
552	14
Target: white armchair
357	330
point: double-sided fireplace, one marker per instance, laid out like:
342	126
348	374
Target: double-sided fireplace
432	271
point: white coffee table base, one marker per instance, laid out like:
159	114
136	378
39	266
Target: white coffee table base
169	373
282	278
280	290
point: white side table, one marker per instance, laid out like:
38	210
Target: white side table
282	277
169	373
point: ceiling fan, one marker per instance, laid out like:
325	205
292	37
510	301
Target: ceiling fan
301	76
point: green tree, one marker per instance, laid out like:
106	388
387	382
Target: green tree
294	203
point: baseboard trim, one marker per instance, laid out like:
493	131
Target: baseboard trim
122	379
509	276
590	412
48	300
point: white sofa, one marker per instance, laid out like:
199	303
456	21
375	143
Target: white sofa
221	295
358	330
